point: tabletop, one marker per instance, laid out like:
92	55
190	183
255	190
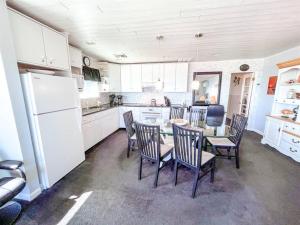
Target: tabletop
208	131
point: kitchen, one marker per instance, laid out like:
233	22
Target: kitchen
63	100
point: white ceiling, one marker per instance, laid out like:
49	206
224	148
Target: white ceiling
232	29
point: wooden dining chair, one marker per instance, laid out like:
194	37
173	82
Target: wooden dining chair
197	115
176	112
188	152
238	126
131	136
150	147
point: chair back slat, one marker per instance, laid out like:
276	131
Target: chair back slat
128	121
148	140
188	145
197	115
238	123
215	115
176	112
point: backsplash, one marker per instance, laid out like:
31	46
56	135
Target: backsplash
95	101
145	98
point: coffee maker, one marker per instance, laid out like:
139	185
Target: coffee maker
112	99
120	99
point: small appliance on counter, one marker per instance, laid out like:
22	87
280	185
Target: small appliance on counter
167	101
112	99
153	102
120	99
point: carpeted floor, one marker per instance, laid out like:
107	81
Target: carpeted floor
104	190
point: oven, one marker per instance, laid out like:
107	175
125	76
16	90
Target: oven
151	113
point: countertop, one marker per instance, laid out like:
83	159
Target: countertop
96	109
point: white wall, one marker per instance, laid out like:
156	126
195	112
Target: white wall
15	139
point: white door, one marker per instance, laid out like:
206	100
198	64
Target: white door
28	40
48	93
181	77
75	57
158	72
125	78
56	47
273	131
147	72
170	77
114	74
136	78
246	94
59	145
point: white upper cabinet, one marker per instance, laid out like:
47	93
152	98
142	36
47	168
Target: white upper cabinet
147	73
181	77
170	77
125	78
75	57
158	72
28	40
56	47
37	44
114	76
136	78
131	78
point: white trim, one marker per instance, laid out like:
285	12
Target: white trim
31	196
256	131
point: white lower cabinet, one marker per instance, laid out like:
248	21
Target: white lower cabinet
283	136
97	126
272	132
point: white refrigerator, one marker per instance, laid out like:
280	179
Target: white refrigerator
53	108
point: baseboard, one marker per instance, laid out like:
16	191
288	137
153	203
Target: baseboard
256	131
29	196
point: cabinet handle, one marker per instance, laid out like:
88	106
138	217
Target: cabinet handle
279	129
296	142
43	59
293	150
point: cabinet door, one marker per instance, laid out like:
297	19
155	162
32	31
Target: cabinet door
114	74
147	71
136	78
273	131
170	77
181	77
158	72
28	40
75	57
56	47
125	78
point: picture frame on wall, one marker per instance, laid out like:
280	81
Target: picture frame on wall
272	85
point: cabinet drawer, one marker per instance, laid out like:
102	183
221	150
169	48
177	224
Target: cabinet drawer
290	127
291	139
289	149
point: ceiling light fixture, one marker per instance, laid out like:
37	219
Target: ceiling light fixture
198	35
120	56
90	42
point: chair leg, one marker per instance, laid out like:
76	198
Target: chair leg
175	173
156	176
128	148
195	183
237	158
228	153
212	172
140	168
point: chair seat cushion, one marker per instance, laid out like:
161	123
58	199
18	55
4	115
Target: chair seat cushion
133	137
206	156
10	187
165	149
221	142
